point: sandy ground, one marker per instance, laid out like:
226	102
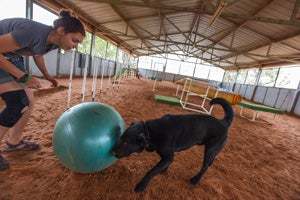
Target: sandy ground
260	161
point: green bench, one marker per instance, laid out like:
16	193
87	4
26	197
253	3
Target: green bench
257	108
166	99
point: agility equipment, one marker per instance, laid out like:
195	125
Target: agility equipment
84	79
119	74
102	72
257	109
71	78
193	88
95	77
206	91
84	136
166	99
200	87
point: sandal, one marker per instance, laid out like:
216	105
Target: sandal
23	145
3	163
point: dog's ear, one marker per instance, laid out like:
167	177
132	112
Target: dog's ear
141	137
133	124
141	142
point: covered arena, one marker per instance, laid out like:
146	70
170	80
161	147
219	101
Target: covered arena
236	38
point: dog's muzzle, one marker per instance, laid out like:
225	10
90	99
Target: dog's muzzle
118	155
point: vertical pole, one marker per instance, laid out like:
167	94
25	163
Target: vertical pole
94	79
110	70
70	80
195	68
102	68
84	77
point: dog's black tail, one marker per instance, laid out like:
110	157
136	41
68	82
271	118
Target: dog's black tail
226	107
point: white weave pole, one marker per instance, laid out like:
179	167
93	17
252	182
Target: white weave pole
110	70
109	75
94	80
116	72
71	77
102	65
115	79
155	81
102	74
84	78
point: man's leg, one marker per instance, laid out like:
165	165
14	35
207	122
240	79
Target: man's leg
7	87
16	133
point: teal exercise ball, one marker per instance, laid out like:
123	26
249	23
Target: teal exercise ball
85	135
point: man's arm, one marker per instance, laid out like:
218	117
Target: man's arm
40	62
8	44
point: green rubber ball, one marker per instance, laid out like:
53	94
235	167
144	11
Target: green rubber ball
85	135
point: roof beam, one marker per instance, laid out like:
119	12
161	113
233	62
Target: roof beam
128	23
58	4
261	19
295	10
194	10
260	45
236	26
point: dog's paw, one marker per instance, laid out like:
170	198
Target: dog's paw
140	187
194	180
164	171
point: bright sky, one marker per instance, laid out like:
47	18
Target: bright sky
16	8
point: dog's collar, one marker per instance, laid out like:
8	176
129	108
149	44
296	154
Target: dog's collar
144	128
146	131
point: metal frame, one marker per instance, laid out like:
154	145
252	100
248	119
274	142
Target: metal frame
255	117
186	93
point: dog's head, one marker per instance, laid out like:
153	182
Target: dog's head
133	140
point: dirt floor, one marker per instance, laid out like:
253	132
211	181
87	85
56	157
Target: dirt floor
260	161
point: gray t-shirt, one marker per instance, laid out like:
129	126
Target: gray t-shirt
30	36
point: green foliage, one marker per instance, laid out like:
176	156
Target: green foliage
242	74
252	77
99	47
268	76
85	46
230	76
111	52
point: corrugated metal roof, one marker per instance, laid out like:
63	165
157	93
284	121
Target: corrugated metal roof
256	33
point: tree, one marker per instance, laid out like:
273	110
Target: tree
99	47
268	76
85	46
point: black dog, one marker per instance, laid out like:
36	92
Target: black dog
173	133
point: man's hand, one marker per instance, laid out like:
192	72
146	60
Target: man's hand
40	63
52	80
33	83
